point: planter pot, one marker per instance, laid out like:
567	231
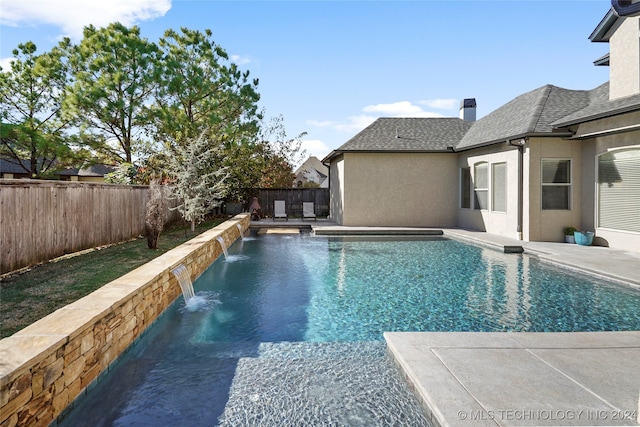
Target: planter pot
569	239
584	238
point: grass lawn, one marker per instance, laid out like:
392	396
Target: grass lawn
27	297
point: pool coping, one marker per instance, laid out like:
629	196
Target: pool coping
522	378
48	364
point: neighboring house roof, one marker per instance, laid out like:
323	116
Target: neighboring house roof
91	170
529	114
9	166
600	108
317	172
312	163
408	135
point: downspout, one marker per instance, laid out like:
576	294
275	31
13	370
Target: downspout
520	144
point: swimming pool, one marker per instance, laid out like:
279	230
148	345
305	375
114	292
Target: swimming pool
292	325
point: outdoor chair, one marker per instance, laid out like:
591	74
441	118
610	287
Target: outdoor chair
308	211
279	210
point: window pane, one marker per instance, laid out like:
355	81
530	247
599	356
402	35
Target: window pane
480	178
619	190
481	201
556	171
465	189
555	196
499	187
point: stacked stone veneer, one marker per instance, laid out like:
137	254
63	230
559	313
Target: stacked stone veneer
45	366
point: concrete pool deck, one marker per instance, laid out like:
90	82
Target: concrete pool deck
523	379
517	379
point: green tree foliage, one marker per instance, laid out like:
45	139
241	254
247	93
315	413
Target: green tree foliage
200	91
266	162
199	173
31	94
116	72
145	106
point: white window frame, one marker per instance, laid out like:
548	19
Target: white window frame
598	195
476	189
494	187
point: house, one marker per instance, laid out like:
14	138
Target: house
548	159
312	170
9	169
88	173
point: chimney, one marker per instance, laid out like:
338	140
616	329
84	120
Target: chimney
468	109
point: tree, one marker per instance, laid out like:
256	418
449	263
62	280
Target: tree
267	162
31	127
154	217
201	92
197	166
116	73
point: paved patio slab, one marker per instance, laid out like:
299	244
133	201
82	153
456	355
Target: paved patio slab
522	379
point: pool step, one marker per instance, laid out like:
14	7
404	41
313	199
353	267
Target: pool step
299	384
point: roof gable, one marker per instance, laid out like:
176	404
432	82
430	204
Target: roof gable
529	113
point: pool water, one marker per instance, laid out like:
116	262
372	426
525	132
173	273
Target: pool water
288	330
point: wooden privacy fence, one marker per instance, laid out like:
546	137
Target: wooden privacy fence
293	198
41	220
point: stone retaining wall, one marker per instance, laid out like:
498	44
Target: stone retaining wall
46	365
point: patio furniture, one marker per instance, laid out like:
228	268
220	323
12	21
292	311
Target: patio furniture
308	211
279	210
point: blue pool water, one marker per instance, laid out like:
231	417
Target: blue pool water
289	330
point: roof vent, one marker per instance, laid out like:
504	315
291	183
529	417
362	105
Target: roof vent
468	109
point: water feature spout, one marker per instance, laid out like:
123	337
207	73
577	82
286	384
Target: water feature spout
224	246
240	230
182	274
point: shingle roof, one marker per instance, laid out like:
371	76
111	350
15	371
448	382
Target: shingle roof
543	111
529	113
408	135
89	170
9	166
600	107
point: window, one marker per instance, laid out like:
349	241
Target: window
619	190
465	188
481	183
556	184
499	187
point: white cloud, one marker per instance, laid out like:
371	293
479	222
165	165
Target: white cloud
5	63
240	60
399	109
441	104
73	15
315	147
353	124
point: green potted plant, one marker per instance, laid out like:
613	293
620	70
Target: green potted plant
568	234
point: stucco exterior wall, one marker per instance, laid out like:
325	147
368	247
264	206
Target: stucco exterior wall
501	223
48	364
592	148
624	68
400	189
547	225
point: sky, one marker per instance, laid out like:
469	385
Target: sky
330	68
